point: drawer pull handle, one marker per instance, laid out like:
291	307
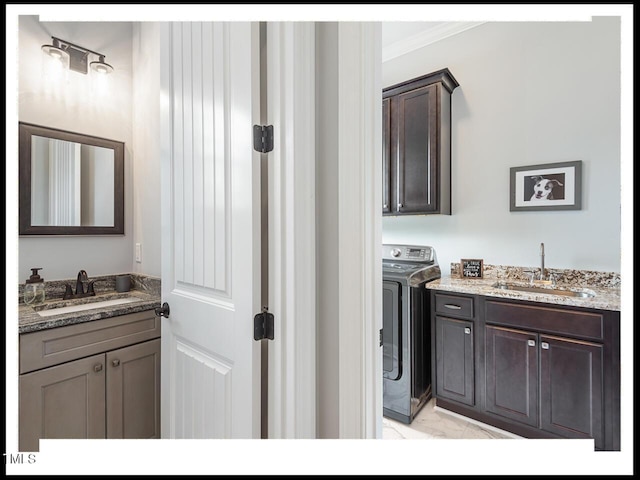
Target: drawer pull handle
467	331
115	363
544	346
97	367
531	343
452	306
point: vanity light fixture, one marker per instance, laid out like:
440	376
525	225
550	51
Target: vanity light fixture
75	57
100	66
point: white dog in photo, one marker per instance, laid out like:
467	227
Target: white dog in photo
543	188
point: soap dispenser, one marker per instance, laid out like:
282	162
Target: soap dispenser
34	288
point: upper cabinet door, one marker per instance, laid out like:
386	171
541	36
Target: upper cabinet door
386	155
417	151
417	145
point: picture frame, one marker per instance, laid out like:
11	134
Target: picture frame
471	268
551	186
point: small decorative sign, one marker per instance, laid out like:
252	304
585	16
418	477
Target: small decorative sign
471	268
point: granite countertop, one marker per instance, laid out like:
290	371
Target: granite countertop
605	299
30	321
605	285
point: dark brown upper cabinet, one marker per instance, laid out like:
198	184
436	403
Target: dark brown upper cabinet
416	145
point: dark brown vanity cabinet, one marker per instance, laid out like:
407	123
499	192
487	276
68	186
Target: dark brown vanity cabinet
416	121
545	368
537	370
98	379
570	397
512	374
453	344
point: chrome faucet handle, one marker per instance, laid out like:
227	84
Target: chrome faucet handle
531	274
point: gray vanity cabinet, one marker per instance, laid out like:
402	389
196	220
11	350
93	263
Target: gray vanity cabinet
99	379
132	393
65	401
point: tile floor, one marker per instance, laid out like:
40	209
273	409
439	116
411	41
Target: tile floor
435	422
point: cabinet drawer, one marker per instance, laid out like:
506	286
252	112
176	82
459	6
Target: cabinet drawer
546	319
58	345
454	305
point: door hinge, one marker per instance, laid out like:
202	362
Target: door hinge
263	325
381	337
263	138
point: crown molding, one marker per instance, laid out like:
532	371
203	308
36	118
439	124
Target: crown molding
422	39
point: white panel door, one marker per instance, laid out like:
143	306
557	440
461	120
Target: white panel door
210	230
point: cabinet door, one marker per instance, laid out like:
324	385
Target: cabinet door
65	401
133	391
417	151
511	358
571	388
386	155
454	360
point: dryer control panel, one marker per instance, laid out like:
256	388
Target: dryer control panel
412	253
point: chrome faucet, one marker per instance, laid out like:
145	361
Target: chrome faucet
543	278
82	277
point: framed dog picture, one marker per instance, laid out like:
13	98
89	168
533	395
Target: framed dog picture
551	186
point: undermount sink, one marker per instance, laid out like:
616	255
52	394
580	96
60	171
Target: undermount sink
48	310
583	293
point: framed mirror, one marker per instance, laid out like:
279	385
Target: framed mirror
70	184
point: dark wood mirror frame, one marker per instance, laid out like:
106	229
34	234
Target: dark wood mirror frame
26	131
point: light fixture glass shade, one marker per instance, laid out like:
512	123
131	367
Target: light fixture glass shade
56	53
101	67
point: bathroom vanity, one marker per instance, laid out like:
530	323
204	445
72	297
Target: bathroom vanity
90	372
538	365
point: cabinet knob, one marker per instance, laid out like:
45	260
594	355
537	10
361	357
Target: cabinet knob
386	205
115	363
544	346
97	367
400	205
467	331
531	343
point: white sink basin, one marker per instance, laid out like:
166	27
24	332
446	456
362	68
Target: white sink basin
86	306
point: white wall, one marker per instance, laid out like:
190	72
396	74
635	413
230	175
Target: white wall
146	135
530	93
78	104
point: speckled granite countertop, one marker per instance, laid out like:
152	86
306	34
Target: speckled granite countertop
146	293
605	285
30	321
